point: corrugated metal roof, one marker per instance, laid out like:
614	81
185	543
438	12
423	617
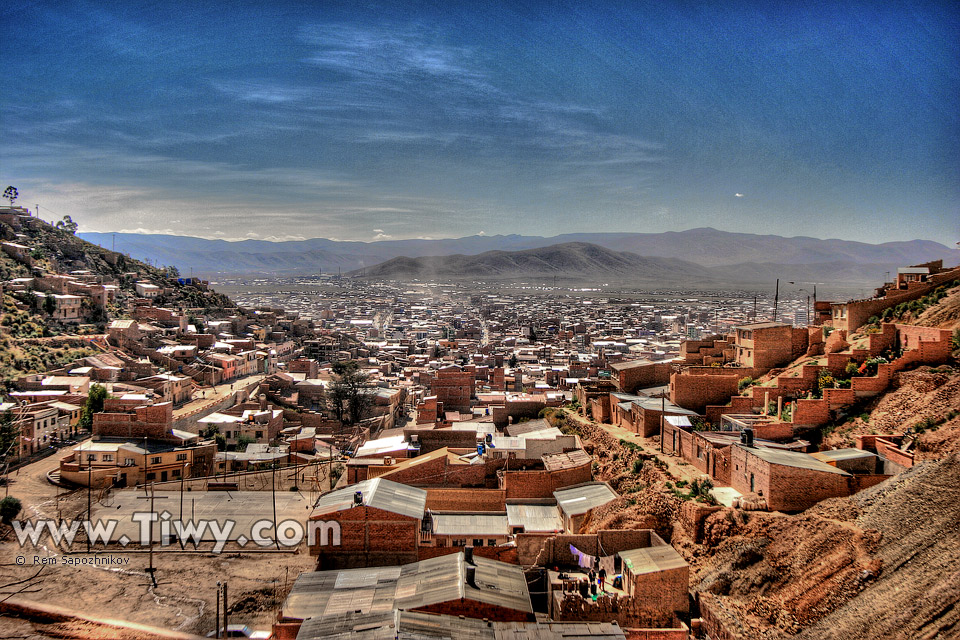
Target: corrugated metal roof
467	524
415	625
579	499
656	404
534	518
567	460
844	454
379	494
319	594
793	459
652	559
761	325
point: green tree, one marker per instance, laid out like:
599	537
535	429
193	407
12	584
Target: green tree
349	399
513	361
9	508
11	194
94	404
243	441
67	224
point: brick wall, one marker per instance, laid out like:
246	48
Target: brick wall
695	392
369	537
933	343
433	439
890	451
439	472
643	375
472	500
692	516
812	412
542	483
478	610
548	550
152	421
453	388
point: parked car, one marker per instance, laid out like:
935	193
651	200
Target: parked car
241	631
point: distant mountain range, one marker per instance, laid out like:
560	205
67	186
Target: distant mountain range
567	260
749	257
583	261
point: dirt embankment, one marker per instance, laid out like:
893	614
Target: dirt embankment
945	314
918	590
639	476
878	565
926	399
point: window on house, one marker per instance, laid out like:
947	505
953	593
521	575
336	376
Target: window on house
156	459
151	476
108	457
491	543
259	435
477	542
129	462
175	473
181	457
91	457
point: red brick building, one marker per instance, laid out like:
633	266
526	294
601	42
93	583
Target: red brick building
379	524
454	387
637	374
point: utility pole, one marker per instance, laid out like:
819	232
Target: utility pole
225	623
89	489
216	633
663	407
151	569
776	299
273	495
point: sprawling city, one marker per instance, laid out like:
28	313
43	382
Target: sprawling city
477	346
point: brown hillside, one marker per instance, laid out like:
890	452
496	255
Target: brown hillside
945	314
878	565
927	399
918	590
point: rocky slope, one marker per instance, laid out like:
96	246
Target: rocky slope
917	591
875	566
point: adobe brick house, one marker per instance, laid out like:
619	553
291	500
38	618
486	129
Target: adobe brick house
656	578
698	387
379	525
912	283
134	419
635	374
764	345
791	481
454	387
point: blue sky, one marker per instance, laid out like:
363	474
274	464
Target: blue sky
363	121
